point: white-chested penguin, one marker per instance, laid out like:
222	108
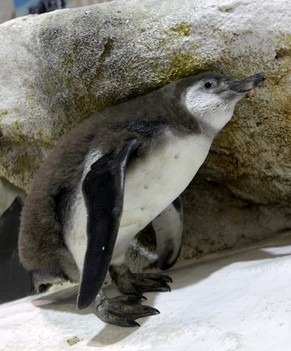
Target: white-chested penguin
114	174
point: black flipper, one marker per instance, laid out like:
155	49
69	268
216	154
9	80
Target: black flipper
103	190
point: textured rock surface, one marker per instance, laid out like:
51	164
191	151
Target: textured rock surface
8	193
58	68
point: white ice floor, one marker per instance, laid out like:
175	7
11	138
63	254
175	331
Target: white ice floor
234	300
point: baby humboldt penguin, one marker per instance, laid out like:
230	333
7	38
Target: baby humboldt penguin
111	176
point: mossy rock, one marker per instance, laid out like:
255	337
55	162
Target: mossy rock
59	68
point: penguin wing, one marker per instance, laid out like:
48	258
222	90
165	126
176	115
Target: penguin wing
103	190
168	227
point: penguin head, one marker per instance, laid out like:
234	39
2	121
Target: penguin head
211	97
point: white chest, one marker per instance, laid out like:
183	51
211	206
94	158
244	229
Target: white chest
151	184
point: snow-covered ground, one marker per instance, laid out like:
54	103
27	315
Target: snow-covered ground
234	300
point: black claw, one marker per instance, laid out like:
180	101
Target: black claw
167	287
154	311
146	311
166	279
130	323
169	279
164	287
138	297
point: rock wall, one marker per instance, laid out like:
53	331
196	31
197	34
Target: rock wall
58	68
8	193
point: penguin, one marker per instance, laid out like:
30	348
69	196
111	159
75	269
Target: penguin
112	175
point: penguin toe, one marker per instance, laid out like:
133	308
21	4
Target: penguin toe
123	310
138	283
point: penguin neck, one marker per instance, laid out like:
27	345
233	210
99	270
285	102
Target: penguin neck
207	130
211	125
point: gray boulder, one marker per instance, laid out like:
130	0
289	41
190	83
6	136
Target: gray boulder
60	67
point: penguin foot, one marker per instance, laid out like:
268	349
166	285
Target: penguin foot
123	310
138	283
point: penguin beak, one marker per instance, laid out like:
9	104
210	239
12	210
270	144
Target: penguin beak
244	85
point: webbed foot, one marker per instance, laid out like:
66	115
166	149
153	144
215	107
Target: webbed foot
138	283
123	310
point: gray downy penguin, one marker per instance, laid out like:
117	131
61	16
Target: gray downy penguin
111	176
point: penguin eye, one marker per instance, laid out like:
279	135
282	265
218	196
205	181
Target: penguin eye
208	85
